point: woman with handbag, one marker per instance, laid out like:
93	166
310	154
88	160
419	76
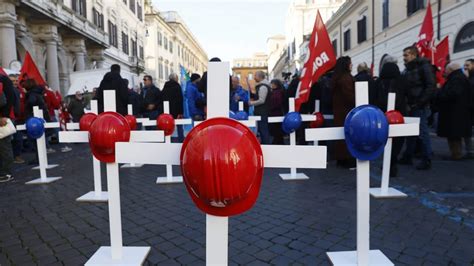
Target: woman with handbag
6	151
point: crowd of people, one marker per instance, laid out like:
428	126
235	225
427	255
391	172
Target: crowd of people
448	109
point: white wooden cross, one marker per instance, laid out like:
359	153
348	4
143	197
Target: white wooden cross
385	191
218	106
169	178
97	195
293	175
41	150
363	255
116	253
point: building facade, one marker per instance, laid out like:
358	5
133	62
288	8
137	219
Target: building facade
396	26
70	36
245	68
169	45
299	23
275	48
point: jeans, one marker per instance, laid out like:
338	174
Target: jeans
6	155
17	143
424	136
263	130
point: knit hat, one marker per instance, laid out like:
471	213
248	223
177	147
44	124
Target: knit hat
195	76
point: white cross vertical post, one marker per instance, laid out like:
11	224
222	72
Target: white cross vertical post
384	191
217	228
363	255
42	155
293	175
117	254
131	165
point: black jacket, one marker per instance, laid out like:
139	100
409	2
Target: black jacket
172	93
135	100
419	82
113	81
9	92
453	104
152	95
390	81
34	97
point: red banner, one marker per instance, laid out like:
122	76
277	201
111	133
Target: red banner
320	59
30	71
441	57
2	72
425	42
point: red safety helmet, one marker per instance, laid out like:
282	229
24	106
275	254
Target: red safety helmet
132	121
318	122
86	121
222	166
394	117
105	131
166	123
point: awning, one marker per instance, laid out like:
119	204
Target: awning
87	80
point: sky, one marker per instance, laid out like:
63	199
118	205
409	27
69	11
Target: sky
230	29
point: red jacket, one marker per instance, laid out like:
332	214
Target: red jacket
52	101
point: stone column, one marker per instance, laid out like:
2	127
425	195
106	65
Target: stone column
7	33
52	64
80	61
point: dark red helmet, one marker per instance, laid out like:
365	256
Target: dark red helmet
132	121
86	121
222	166
319	120
166	123
394	117
105	131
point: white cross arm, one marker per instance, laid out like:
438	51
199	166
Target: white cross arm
72	126
135	136
279	119
337	133
285	156
185	121
46	125
148	153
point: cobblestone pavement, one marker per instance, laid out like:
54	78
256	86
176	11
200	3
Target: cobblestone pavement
291	223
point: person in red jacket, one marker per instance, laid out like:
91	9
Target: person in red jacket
53	104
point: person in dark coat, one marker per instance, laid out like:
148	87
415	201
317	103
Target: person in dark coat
276	109
6	151
390	81
454	114
34	97
76	107
152	99
113	81
343	91
173	94
135	100
469	69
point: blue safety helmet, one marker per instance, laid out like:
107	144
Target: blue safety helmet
291	122
35	127
366	132
241	115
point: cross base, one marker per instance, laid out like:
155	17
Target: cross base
346	258
102	196
49	166
41	181
131	165
298	176
130	256
169	180
390	193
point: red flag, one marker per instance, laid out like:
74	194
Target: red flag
319	60
30	71
2	72
425	42
441	57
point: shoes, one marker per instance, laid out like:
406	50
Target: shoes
66	149
50	150
6	178
424	165
405	161
18	160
